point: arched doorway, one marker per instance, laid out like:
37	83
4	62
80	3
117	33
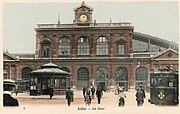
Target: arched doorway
82	78
102	77
23	84
121	77
141	77
26	73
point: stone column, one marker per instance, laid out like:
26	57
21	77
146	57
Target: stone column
131	78
17	72
73	45
111	45
92	46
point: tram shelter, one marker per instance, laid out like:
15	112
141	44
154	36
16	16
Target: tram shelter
50	75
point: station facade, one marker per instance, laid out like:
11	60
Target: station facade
106	54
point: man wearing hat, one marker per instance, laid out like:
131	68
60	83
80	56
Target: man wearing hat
69	95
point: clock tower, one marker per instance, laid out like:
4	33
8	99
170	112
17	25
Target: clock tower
83	14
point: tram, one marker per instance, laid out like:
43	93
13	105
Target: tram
164	88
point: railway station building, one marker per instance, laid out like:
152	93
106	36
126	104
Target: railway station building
106	54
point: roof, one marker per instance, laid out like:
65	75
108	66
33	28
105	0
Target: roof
155	40
50	68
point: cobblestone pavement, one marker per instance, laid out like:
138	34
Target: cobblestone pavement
42	104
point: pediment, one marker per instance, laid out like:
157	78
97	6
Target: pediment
83	6
167	54
7	56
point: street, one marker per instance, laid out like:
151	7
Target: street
42	104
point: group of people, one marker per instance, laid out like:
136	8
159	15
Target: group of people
140	95
89	92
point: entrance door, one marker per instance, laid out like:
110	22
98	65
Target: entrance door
82	78
102	77
141	77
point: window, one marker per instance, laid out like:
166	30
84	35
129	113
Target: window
121	74
63	83
83	46
141	74
26	73
64	46
46	49
5	72
102	74
56	82
121	49
102	46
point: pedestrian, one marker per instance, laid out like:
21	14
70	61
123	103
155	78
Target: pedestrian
88	95
99	94
51	92
84	93
72	100
93	91
139	97
121	98
69	95
142	89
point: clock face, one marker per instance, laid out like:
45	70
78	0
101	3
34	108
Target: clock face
83	18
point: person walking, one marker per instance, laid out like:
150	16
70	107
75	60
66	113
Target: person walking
121	98
139	97
99	94
142	89
51	92
84	93
88	96
69	95
93	91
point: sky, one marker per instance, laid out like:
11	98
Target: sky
159	19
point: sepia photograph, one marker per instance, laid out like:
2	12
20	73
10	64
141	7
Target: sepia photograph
89	56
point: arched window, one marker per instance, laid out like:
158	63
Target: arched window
46	50
83	46
121	49
26	73
121	74
141	76
45	47
82	78
64	46
102	77
122	77
102	46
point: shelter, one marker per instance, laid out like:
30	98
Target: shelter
49	75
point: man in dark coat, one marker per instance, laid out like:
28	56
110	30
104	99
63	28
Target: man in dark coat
69	95
84	93
93	91
142	89
99	94
139	97
51	92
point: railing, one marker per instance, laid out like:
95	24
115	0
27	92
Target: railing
122	24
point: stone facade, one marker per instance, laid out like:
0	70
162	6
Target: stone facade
101	53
